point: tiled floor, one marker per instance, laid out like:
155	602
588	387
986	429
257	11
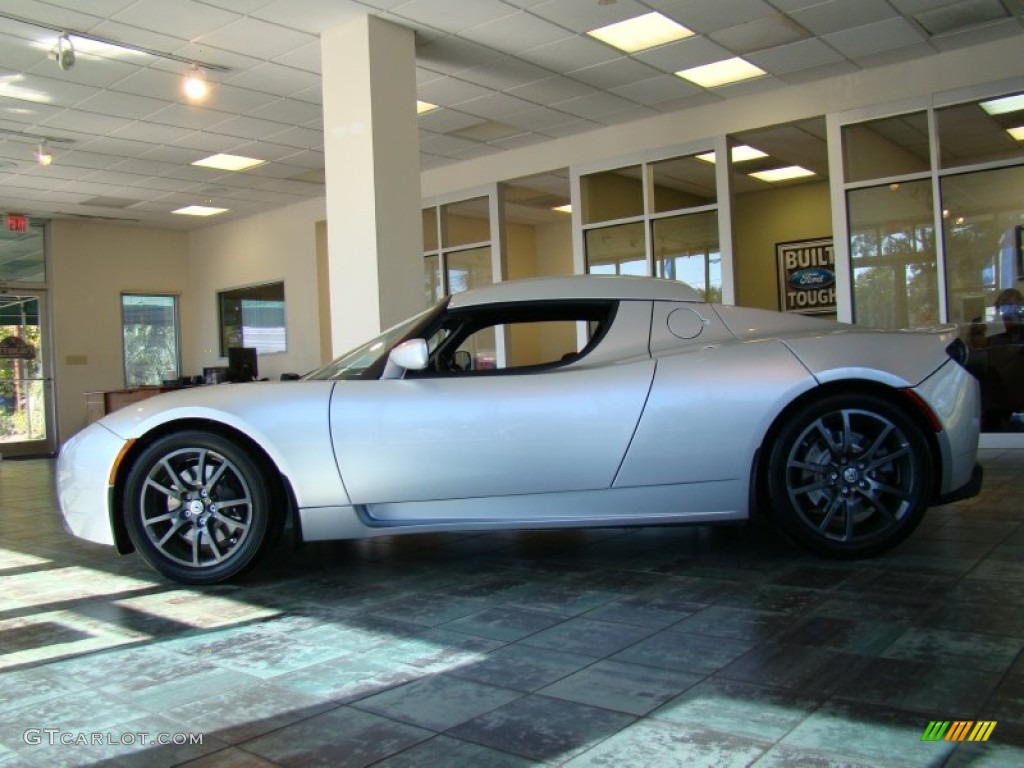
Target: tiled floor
658	647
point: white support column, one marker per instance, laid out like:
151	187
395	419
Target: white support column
371	147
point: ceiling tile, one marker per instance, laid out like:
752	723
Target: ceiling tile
585	15
874	38
51	14
151	82
758	35
961	15
448	91
187	116
795	56
36	89
288	111
182	18
302	138
570	128
977	36
551	90
636	112
453	15
246	127
835	15
312	16
305	57
141	167
513	34
817	73
656	90
895	55
107	145
691	52
573	53
503	73
88	70
594	105
122	104
538	119
88	122
706	17
276	79
497	106
614	73
450	55
252	37
144	38
447	120
208	143
916	6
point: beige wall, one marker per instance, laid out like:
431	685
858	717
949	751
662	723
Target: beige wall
91	265
762	219
278	245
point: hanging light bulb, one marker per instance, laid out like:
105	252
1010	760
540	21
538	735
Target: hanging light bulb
43	155
195	85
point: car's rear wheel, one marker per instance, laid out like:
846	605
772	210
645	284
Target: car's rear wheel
849	475
198	508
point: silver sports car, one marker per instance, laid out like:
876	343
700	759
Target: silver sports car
547	403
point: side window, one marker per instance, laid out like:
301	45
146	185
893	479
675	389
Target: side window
519	337
527	343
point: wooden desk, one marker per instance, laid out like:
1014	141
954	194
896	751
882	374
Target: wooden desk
99	404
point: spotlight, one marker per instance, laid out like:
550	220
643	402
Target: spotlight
43	155
195	85
64	53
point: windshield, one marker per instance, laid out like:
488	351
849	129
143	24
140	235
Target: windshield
366	360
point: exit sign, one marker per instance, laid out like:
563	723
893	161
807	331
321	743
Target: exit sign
17	222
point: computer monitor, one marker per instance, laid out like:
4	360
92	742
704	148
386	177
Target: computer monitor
242	364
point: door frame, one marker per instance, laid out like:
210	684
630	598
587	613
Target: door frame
47	445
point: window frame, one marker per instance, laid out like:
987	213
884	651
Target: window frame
176	309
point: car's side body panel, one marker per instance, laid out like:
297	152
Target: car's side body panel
476	436
288	420
704	419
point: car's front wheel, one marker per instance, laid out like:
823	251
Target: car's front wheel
849	475
197	507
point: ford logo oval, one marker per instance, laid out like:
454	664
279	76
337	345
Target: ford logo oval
811	278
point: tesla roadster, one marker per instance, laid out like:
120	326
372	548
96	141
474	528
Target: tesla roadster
547	403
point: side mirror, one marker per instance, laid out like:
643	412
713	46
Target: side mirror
410	355
462	360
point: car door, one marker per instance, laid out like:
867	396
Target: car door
509	429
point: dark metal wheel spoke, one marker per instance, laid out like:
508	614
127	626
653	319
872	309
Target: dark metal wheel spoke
817	485
884	511
850	520
230	522
215	477
173	473
902	451
816	468
847	432
869	454
217	556
830	513
170	532
899	493
819	425
165	491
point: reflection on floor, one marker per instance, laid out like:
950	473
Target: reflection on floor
658	647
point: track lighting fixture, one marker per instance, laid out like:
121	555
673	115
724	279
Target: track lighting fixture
64	53
195	85
43	155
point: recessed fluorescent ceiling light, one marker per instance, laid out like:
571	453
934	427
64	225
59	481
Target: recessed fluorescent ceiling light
782	174
739	154
9	89
721	73
1004	105
1017	133
425	106
563	208
229	162
199	210
641	32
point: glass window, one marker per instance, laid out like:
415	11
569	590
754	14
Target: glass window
21	256
150	331
682	182
892	146
892	249
430	229
981	132
616	250
611	195
433	287
466	222
983	216
253	317
22	394
686	249
469	269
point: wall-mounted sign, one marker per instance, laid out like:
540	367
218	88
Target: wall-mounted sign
17	222
807	276
16	348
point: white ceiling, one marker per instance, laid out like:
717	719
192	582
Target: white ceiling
508	74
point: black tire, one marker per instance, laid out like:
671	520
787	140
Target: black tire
849	475
197	508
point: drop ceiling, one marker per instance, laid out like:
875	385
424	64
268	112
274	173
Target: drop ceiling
506	74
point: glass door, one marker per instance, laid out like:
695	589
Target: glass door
26	414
